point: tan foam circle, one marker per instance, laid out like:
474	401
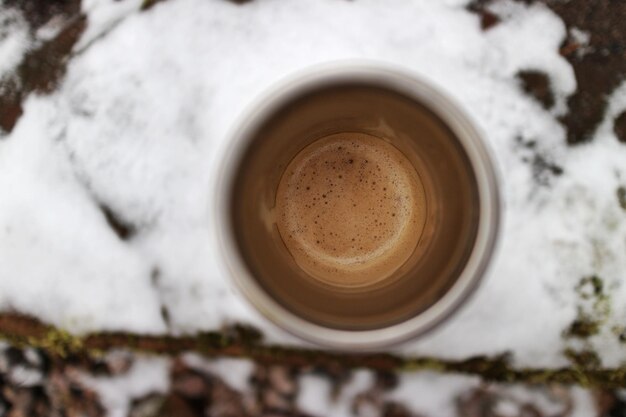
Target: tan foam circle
350	209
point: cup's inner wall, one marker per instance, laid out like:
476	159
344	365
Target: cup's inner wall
451	201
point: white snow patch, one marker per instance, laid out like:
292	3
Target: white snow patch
60	260
432	394
25	376
14	39
235	372
584	403
616	105
580	36
146	376
513	37
314	394
103	16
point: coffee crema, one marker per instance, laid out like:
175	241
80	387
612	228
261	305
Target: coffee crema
350	208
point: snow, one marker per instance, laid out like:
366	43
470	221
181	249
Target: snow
148	375
433	394
235	372
513	41
580	36
73	269
314	396
104	15
14	39
142	117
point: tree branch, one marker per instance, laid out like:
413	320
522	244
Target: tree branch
245	342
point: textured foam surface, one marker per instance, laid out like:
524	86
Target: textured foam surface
350	208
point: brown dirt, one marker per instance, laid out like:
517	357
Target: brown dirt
123	229
52	389
57	388
621	196
537	85
39	12
43	67
599	68
619	127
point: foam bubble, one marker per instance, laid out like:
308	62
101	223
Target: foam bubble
350	209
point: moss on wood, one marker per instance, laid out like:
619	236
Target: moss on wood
245	342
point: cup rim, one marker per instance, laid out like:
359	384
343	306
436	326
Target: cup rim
455	118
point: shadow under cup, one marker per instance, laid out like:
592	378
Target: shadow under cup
384	107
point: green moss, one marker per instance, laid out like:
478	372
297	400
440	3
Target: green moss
246	342
246	335
621	197
583	327
427	364
585	359
210	341
57	342
590	287
590	319
620	333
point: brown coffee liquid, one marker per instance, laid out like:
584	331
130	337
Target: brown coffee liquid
350	208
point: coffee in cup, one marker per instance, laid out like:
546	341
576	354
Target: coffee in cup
358	206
